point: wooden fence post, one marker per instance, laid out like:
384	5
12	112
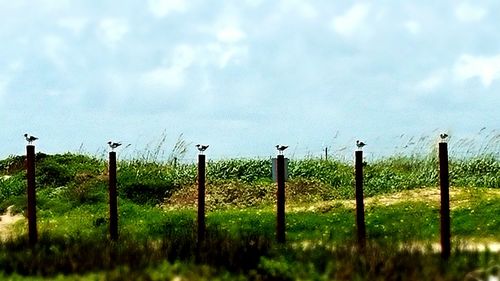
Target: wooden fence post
445	201
113	204
360	209
201	198
31	190
280	194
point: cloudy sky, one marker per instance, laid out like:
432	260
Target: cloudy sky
246	75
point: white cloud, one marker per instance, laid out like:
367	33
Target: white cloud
433	81
234	54
15	66
164	78
55	5
254	3
487	69
12	70
352	21
111	31
466	12
303	8
53	93
229	46
412	26
161	8
183	56
171	76
230	34
307	10
55	49
65	96
223	55
73	24
4	83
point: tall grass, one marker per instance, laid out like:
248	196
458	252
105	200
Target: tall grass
249	257
74	253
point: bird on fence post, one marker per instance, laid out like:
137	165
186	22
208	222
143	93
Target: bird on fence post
443	137
113	145
202	148
30	139
281	148
360	144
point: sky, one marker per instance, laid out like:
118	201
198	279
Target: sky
243	76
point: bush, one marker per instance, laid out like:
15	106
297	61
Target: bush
146	183
52	173
334	173
247	170
146	192
480	171
12	191
61	169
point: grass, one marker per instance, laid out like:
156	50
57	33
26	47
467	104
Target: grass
157	219
240	242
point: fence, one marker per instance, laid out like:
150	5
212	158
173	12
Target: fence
280	194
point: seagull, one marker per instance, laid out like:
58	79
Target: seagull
113	145
360	144
202	147
443	136
29	138
281	148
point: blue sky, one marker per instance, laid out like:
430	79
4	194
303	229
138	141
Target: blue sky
245	75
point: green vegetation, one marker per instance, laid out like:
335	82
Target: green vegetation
157	219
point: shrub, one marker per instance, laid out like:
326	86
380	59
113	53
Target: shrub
12	191
60	169
247	170
479	171
146	183
332	172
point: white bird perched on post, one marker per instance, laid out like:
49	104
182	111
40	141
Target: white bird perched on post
443	136
202	148
281	148
360	144
113	145
29	138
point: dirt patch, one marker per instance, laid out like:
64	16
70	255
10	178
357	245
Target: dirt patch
6	222
459	197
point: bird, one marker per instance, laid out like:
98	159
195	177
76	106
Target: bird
281	148
30	139
443	136
202	147
113	145
360	144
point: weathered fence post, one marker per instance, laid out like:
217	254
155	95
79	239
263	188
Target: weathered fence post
360	208
280	194
30	171
445	201
201	198
113	204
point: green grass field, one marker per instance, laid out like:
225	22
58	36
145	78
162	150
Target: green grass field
157	220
